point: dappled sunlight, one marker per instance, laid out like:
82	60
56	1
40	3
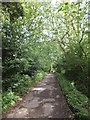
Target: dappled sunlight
39	89
48	108
72	83
21	113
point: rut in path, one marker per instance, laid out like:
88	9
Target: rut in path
46	100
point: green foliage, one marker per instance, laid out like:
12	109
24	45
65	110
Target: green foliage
39	37
23	82
14	9
19	86
75	99
74	45
38	75
9	98
76	68
47	52
0	102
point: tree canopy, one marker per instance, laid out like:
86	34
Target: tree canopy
39	37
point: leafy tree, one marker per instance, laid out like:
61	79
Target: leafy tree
39	37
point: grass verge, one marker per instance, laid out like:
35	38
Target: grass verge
78	102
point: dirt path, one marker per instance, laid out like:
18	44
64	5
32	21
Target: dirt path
45	100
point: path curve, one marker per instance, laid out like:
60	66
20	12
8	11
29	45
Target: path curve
46	100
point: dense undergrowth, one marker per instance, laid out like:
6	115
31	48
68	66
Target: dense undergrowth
20	85
78	102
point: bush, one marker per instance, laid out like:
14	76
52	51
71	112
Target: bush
75	69
0	102
38	75
77	101
15	81
22	84
9	98
19	85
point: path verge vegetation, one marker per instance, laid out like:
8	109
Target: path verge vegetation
78	102
20	87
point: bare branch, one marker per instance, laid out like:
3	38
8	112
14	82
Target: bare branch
81	37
